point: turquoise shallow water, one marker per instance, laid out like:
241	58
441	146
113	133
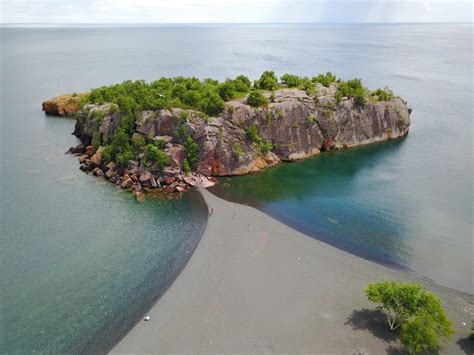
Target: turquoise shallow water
81	260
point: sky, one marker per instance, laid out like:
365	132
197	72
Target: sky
234	11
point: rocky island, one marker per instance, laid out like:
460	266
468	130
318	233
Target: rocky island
174	132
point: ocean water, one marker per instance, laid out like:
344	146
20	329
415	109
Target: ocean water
82	261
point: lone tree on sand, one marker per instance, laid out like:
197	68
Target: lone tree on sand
417	312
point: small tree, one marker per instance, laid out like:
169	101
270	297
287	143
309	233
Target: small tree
212	103
155	155
291	80
417	311
267	81
256	98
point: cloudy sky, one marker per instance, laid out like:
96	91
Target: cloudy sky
234	11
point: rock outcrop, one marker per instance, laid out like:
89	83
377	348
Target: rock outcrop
64	105
297	125
242	139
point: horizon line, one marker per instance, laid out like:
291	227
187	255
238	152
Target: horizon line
110	24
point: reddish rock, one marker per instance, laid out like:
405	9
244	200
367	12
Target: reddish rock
89	151
126	183
64	105
145	178
110	173
169	180
176	155
96	159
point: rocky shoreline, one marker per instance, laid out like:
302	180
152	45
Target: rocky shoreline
134	176
173	149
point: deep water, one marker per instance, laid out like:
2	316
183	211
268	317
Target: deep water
82	261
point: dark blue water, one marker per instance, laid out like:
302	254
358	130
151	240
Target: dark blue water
81	260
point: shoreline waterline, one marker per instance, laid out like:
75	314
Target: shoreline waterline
240	288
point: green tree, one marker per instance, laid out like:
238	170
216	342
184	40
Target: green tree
256	98
212	103
291	80
423	332
242	83
267	81
417	311
226	90
155	155
191	149
325	79
383	94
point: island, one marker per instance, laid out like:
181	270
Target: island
175	132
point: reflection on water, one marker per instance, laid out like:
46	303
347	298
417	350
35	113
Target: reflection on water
330	197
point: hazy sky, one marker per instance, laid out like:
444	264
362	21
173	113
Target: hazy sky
240	11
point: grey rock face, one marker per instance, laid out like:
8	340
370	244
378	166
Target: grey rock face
297	125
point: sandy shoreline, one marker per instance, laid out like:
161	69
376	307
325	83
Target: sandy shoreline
255	285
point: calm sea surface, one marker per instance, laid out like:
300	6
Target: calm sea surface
82	261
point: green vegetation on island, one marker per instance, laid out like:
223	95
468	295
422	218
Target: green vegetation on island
151	134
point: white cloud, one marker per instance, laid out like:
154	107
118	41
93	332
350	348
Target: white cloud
233	11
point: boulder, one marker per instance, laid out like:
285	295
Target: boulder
126	183
153	182
96	159
110	173
89	151
83	158
145	178
78	149
169	180
176	156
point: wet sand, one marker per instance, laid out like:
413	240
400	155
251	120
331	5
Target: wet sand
255	285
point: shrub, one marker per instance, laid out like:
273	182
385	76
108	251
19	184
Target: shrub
252	134
256	98
107	153
308	86
351	88
212	103
267	81
237	149
311	118
265	147
242	83
96	140
227	90
417	311
186	167
120	150
122	158
191	149
128	124
155	155
325	79
383	94
138	144
291	80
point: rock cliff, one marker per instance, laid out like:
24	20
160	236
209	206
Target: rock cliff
168	143
296	126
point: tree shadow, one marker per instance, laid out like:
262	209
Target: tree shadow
466	345
373	321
